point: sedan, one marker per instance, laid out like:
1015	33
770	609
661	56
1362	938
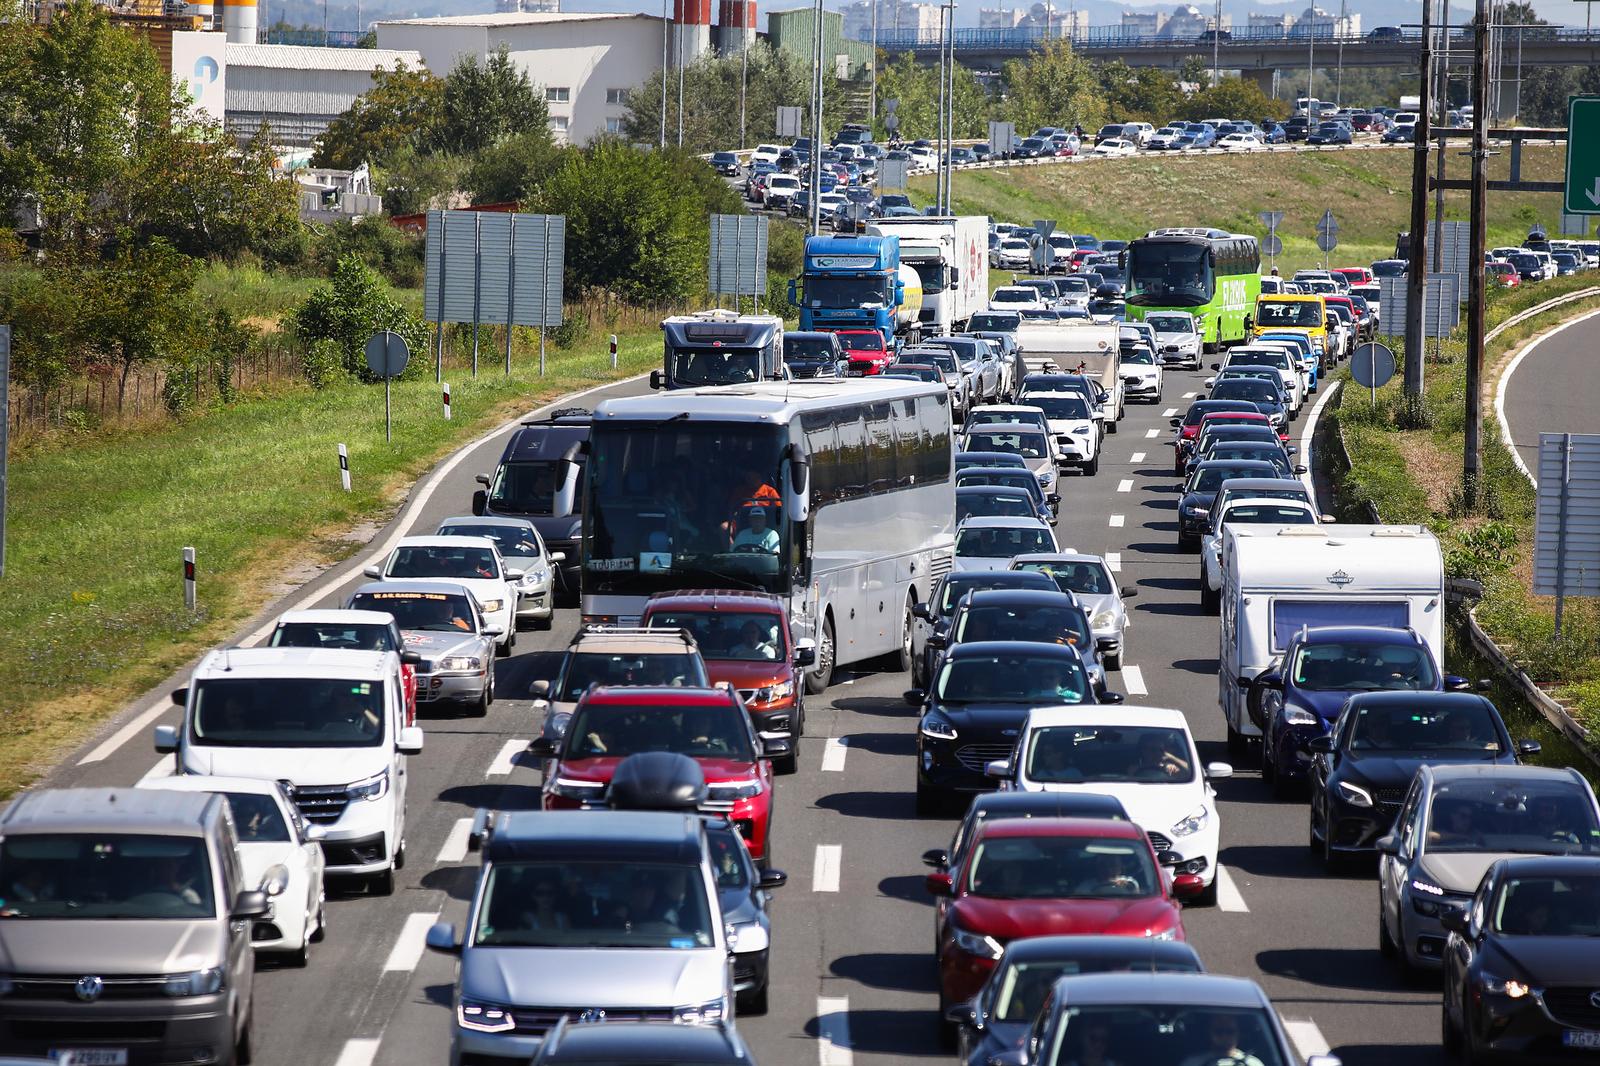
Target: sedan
725	163
931	620
473	563
1116	146
1028	617
1013	253
1240	142
1200	492
1141	375
1400	134
1088	578
1267	451
991	543
441	624
522	549
1330	133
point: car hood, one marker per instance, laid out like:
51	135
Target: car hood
972	562
1547	961
1324	705
1093	604
1396	771
1197	499
1177	338
1010	919
1459	872
991	717
748	673
602	769
655	978
482	588
117	947
1153	805
299	766
436	645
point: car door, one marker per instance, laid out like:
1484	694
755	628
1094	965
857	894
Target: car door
241	960
1392	868
397	762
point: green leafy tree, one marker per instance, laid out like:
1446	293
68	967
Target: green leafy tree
514	171
1052	87
340	316
411	180
1134	94
916	86
403	110
141	309
1231	97
484	103
712	86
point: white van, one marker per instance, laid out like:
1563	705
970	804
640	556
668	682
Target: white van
1277	579
330	723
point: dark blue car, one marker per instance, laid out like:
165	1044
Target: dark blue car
1299	695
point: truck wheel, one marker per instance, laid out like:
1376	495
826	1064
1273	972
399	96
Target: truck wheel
820	676
904	657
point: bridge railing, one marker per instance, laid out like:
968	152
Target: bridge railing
1022	38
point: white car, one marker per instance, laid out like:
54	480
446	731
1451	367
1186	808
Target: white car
1016	298
923	157
1141	375
1073	430
1012	253
281	855
474	563
1116	146
1242	509
1178	337
1165	136
1090	580
1061	249
765	153
990	543
1240	142
521	548
1139	132
1144	757
781	189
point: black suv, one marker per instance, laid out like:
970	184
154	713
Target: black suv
540	478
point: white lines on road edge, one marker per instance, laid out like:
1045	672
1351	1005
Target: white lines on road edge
1169	412
162	768
1114	559
506	761
407	951
1309	431
455	845
1117	520
1125	485
1137	457
825	871
833	753
1133	681
1151	434
833	1031
1229	897
362	1051
1308	1039
1505	382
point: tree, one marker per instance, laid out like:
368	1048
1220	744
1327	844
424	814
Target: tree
1133	94
1052	87
711	93
1231	97
402	110
916	86
484	103
341	315
514	171
141	308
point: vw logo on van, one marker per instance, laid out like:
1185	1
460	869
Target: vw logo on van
1339	578
89	988
1594	999
593	1014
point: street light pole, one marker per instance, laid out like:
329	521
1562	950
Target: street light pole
680	85
941	161
950	116
664	25
1417	265
872	103
816	120
1473	437
1216	46
1338	33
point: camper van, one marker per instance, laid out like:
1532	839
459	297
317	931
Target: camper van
1276	579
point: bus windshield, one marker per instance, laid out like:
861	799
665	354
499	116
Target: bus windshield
1169	274
715	366
674	504
1303	313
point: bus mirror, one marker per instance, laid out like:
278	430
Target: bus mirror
899	293
792	299
796	494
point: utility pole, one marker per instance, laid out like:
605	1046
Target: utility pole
681	65
1216	45
872	104
744	78
950	111
664	39
1444	107
1338	32
1311	63
942	161
1417	267
1471	460
815	195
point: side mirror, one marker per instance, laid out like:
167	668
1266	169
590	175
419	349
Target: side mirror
482	479
480	501
314	833
805	654
914	697
1455	683
939	640
180	697
1249	321
442	938
543	747
373	572
409	741
1529	747
250	905
166	739
1301	469
1216	771
493	631
1128	592
539	690
772	879
515	575
1272	681
1485	684
1188	886
1054	499
1215	366
999	769
558	557
938	858
776	747
1388	844
961	1014
1176	422
1322	745
940	884
1112	698
411	658
1453	918
657	380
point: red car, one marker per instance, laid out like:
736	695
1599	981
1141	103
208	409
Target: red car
1355	275
1076	260
1026	877
709	725
867	351
745	640
1188	426
1503	274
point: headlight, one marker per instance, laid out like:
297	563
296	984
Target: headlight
1104	620
1427	898
984	947
534	575
371	788
1169	933
932	725
1354	795
741	790
1046	477
1501	986
1200	512
1299	716
573	788
1193	822
491	606
1081	427
461	664
711	1011
781	691
195	983
484	1017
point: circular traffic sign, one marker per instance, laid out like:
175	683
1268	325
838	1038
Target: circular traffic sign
1272	244
1372	365
387	354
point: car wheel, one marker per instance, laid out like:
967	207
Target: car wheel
820	676
1210	602
1188	542
929	802
320	933
480	706
904	658
1093	466
382	884
1449	1034
753	1001
1332	861
1111	427
299	959
799	729
243	1052
1238	743
1268	769
511	640
1112	661
1208	895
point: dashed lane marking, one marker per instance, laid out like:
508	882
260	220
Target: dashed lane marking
1308	1039
408	947
1114	560
455	844
1229	897
1137	457
1125	485
506	761
1133	681
833	1031
1151	434
362	1051
833	754
1169	412
825	872
1117	520
1188	396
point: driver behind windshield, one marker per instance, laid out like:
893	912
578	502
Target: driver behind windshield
757	536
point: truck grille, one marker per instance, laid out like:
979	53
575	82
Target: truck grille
63	989
323	804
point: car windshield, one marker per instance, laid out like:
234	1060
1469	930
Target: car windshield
1014	296
952	588
807	347
527	487
861	342
615	731
583	669
1088	579
1304	313
1253	389
1054	625
258	818
822	290
287	712
1504	814
1021	988
1138	356
1013	678
1027	445
1061	867
1267	514
752	636
915	373
1020	479
1075	754
594	904
367	637
1001	322
1166	1035
997	503
517	541
1249	450
1002	542
1465	726
991	417
1564	905
1210	478
461	561
1266	359
432	612
105	877
1059	406
1363	666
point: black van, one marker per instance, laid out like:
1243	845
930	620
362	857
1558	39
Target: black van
540	478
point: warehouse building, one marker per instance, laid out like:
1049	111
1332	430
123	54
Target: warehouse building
299	90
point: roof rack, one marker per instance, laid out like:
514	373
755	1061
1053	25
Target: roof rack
595	629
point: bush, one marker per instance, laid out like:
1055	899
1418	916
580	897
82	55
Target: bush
1482	552
398	255
347	312
322	363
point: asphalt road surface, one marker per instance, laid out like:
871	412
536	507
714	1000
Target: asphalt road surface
852	966
1546	392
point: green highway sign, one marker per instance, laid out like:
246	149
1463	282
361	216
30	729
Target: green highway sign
1583	156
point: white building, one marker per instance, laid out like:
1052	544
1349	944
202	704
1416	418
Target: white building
298	89
1188	21
1278	23
585	63
1144	23
1054	19
893	16
1326	23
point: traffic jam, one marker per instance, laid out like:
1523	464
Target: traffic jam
978	550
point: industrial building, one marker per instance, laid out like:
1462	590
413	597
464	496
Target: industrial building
299	90
791	31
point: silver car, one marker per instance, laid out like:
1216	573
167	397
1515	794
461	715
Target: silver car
1089	578
1019	438
443	625
523	549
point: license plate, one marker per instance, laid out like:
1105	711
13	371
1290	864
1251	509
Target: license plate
91	1056
1581	1038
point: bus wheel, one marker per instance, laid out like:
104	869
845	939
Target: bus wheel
904	659
819	677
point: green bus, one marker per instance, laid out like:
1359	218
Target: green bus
1211	273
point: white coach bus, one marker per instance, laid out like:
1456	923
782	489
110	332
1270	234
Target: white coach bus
837	496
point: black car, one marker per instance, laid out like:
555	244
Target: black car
1017	477
1266	451
1529	267
1215	435
1330	133
996	501
995	1020
725	163
935	615
1521	978
1267	397
1360	771
973	711
1297	128
574	1042
1029	615
1200	492
814	354
1188	426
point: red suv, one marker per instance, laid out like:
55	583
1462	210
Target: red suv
866	350
709	725
1355	275
744	639
1027	877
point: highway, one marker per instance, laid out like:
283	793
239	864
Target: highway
1541	391
852	961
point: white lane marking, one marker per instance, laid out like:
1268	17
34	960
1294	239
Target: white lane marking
1169	412
1114	561
162	768
361	1051
1307	433
833	1031
833	753
455	844
1151	434
408	947
825	871
1308	1039
1117	520
1125	485
506	761
1229	898
1133	681
138	724
1137	457
1188	396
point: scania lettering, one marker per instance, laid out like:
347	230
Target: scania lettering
719	347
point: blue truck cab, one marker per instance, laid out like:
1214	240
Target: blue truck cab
857	282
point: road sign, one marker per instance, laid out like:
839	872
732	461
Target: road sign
1271	244
1044	226
1002	138
1583	156
387	356
1575	225
788	122
1271	219
1372	365
892	175
1327	241
891	122
1328	224
737	264
1566	550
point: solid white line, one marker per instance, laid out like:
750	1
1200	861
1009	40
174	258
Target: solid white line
1308	1039
162	768
833	753
825	871
1504	383
1117	520
455	845
1151	434
1114	561
1125	485
1229	898
408	947
506	761
362	1051
136	725
1137	457
1309	431
1169	412
1133	681
833	1031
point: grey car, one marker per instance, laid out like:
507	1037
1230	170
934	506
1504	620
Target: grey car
1455	823
1089	579
523	549
978	362
443	625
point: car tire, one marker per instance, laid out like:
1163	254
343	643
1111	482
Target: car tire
382	883
754	1001
480	707
1313	845
1268	769
1188	542
1332	861
1210	602
905	658
320	933
929	802
1092	467
821	675
1112	661
1238	743
243	1051
1208	895
299	959
502	651
1111	426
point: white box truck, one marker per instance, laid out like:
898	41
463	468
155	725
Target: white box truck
1064	345
1276	579
951	255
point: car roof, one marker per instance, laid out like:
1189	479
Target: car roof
1443	773
1019	598
1003	522
1046	805
742	600
624	836
1552	866
1441	700
403	585
100	810
633	641
1127	714
1165	989
1004	427
658	696
1134	949
337	616
979	648
294	663
989	490
445	542
486	520
1372	634
1264	484
1060	827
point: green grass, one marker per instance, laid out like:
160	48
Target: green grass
250	292
1369	193
91	608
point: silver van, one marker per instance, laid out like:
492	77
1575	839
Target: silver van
125	926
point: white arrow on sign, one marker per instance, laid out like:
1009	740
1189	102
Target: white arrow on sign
1594	194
